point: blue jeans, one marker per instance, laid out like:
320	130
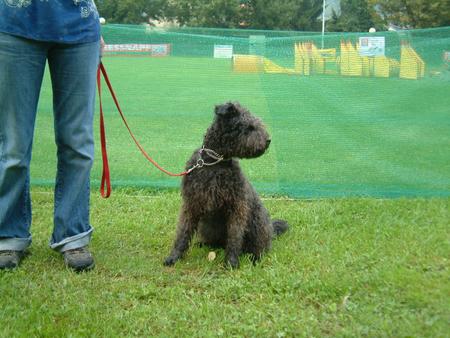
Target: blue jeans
73	74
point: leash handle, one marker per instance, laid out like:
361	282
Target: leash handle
106	179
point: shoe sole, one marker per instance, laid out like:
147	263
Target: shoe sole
12	266
82	268
9	267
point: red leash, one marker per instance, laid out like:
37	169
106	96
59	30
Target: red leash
106	179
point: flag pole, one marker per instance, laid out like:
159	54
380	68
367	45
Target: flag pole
323	21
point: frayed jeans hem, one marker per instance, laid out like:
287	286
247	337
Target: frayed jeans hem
74	242
15	244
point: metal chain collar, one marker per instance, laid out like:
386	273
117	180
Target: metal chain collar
201	162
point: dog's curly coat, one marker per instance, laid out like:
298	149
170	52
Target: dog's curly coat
218	201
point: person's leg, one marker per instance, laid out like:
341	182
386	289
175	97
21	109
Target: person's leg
22	64
73	72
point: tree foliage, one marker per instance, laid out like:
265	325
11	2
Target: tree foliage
414	13
282	14
304	15
132	11
257	14
355	16
213	13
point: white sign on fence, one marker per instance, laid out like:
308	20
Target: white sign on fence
162	49
371	46
447	56
223	51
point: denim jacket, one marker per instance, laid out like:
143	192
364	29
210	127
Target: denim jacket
63	21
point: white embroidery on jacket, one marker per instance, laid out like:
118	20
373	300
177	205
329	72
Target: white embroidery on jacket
87	7
18	3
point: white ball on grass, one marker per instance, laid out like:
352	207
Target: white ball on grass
102	21
211	256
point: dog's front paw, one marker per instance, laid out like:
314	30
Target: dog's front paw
255	259
233	261
169	261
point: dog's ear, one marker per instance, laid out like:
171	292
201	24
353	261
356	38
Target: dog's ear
228	109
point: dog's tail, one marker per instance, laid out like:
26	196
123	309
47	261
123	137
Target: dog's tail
279	227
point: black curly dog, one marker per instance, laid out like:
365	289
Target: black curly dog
218	201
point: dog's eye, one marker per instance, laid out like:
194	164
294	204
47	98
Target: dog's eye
250	128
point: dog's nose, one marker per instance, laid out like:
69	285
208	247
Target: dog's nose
268	142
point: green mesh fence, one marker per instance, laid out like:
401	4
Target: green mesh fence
349	114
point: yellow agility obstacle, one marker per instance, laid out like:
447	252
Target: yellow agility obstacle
311	60
248	63
351	63
302	62
308	60
411	64
272	68
258	64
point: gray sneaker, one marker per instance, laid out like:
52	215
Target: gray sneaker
79	259
10	259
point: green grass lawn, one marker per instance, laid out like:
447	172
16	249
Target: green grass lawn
331	136
348	267
351	265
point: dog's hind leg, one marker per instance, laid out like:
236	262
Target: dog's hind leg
187	226
279	227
